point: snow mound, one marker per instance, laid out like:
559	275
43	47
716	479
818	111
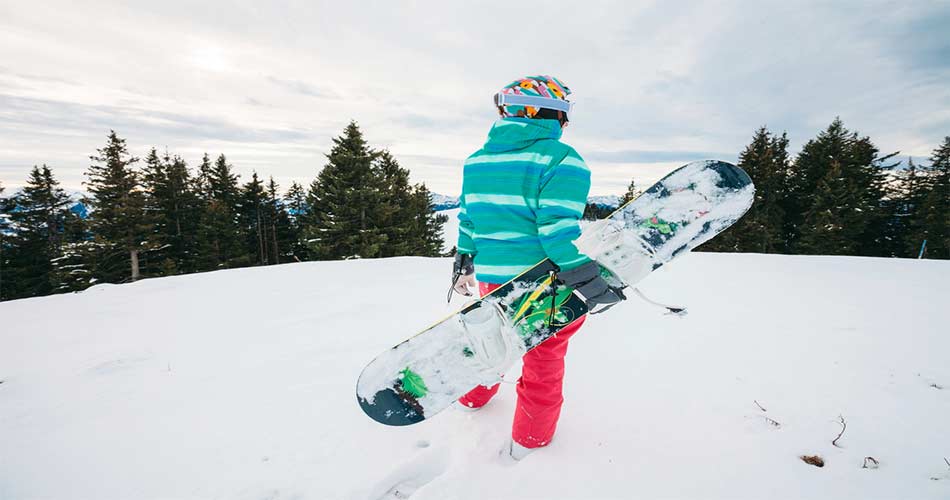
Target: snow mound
240	384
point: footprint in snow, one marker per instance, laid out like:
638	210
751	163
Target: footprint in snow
406	479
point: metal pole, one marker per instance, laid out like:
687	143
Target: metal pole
923	248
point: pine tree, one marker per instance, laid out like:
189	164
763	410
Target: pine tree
202	181
837	159
279	233
831	225
593	211
5	207
403	214
174	208
298	212
3	210
40	219
155	261
223	182
73	269
253	220
931	221
632	192
181	210
765	159
903	200
220	239
344	201
397	220
426	225
119	221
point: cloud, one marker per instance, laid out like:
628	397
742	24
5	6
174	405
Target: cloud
22	113
302	88
422	122
635	156
655	83
8	72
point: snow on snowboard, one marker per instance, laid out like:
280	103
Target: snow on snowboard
425	374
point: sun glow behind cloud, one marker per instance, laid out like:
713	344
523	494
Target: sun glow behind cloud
209	57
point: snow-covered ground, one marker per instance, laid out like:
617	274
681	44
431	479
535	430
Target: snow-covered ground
240	385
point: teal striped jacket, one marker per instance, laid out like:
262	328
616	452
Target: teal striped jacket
523	194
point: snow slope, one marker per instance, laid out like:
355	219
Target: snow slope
240	384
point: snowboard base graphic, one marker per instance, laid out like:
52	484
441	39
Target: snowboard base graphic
425	374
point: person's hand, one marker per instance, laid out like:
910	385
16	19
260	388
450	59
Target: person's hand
587	281
463	276
466	285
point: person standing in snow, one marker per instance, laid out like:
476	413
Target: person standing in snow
523	195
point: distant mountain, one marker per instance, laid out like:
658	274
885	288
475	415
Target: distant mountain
76	197
443	202
607	201
79	209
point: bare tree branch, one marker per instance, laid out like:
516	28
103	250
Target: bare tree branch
760	406
843	427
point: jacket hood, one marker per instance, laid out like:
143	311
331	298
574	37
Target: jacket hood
509	134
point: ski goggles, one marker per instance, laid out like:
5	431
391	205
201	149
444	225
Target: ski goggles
533	101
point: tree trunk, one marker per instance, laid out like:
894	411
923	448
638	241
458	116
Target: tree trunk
260	239
273	232
177	221
134	254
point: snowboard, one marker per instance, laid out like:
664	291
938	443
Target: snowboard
425	374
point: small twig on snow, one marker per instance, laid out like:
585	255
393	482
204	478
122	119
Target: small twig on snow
872	460
843	427
772	422
948	461
760	406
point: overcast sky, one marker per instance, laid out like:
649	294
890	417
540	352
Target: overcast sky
657	84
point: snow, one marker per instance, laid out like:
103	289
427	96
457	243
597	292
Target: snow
444	202
241	384
605	200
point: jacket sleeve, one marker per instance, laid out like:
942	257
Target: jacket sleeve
561	202
466	243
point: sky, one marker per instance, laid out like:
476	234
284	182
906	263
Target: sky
269	84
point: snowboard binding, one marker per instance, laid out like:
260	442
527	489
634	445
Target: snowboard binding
492	343
618	249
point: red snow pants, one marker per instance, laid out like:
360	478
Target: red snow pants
539	388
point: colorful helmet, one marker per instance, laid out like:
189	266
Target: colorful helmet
526	96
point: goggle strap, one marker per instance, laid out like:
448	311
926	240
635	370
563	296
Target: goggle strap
533	101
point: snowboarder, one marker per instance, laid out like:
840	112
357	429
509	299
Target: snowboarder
523	194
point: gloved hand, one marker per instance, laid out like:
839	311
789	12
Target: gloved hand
463	276
587	281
